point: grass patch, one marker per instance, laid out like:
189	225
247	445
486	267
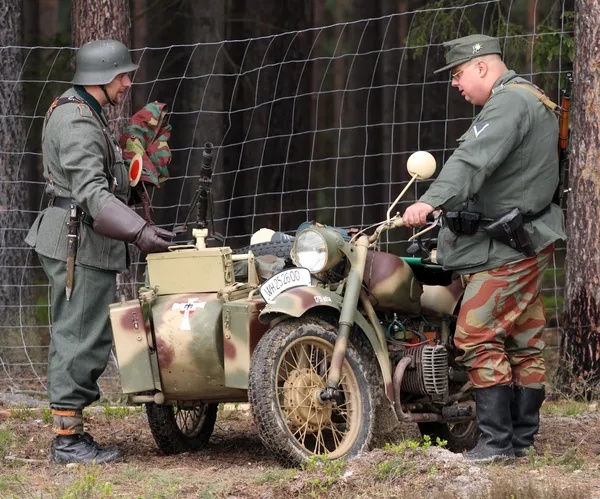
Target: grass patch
47	417
403	461
130	473
569	459
564	408
6	441
212	491
329	471
88	484
116	412
21	413
275	476
529	489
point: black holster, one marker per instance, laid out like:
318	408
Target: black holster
509	230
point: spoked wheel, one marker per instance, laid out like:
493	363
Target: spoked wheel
177	430
288	373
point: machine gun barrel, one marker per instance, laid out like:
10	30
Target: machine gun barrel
204	185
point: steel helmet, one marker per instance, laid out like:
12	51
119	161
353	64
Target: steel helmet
99	62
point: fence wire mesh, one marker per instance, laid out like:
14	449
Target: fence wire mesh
306	125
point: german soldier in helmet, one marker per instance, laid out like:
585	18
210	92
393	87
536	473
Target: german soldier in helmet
81	240
500	227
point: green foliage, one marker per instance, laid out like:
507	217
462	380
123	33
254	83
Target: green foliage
116	412
88	485
569	459
47	416
414	446
443	20
6	441
433	25
565	408
22	413
402	462
330	470
553	44
276	476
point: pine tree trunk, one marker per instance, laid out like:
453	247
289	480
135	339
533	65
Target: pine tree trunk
580	352
14	220
100	20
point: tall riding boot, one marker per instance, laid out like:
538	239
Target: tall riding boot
73	445
495	424
525	412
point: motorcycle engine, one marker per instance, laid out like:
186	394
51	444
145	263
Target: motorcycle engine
428	373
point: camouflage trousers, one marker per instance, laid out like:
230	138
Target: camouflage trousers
500	324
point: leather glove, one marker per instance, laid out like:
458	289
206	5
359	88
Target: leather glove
151	239
117	221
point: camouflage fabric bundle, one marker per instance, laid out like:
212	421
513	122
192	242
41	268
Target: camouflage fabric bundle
147	134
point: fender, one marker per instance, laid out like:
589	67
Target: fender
296	302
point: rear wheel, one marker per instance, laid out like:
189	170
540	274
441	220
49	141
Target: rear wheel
177	430
288	371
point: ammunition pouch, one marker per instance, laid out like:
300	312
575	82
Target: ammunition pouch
464	222
509	230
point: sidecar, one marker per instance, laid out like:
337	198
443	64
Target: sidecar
185	345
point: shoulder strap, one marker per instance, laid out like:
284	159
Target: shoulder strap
532	89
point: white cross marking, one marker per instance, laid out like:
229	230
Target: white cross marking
187	309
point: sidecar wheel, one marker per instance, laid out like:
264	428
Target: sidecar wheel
177	430
287	372
460	436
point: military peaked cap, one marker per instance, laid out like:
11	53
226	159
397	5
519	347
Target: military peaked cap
468	47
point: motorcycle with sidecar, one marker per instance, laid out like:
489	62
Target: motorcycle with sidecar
331	352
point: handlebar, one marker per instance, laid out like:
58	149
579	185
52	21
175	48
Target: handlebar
392	223
396	222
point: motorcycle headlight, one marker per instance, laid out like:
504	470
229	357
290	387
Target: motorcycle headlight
316	249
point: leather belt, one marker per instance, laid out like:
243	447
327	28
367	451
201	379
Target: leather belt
526	218
65	204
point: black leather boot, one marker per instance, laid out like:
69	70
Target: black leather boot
525	412
81	448
495	424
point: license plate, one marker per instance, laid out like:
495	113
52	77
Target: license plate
287	279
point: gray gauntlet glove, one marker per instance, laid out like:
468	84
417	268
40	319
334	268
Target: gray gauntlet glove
117	221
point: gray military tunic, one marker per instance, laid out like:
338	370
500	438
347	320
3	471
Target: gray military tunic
506	159
74	151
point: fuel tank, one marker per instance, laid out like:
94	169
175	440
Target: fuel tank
392	284
188	332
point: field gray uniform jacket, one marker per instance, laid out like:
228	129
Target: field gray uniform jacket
74	150
507	159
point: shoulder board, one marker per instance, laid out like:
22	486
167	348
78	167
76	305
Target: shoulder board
82	106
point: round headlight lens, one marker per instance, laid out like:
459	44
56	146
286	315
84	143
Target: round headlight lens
311	251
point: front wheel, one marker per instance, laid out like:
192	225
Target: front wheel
177	430
288	371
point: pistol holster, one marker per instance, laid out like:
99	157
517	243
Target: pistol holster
509	230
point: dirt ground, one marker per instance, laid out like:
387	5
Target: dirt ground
236	465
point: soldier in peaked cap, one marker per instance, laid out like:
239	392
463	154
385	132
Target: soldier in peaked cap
87	224
500	227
